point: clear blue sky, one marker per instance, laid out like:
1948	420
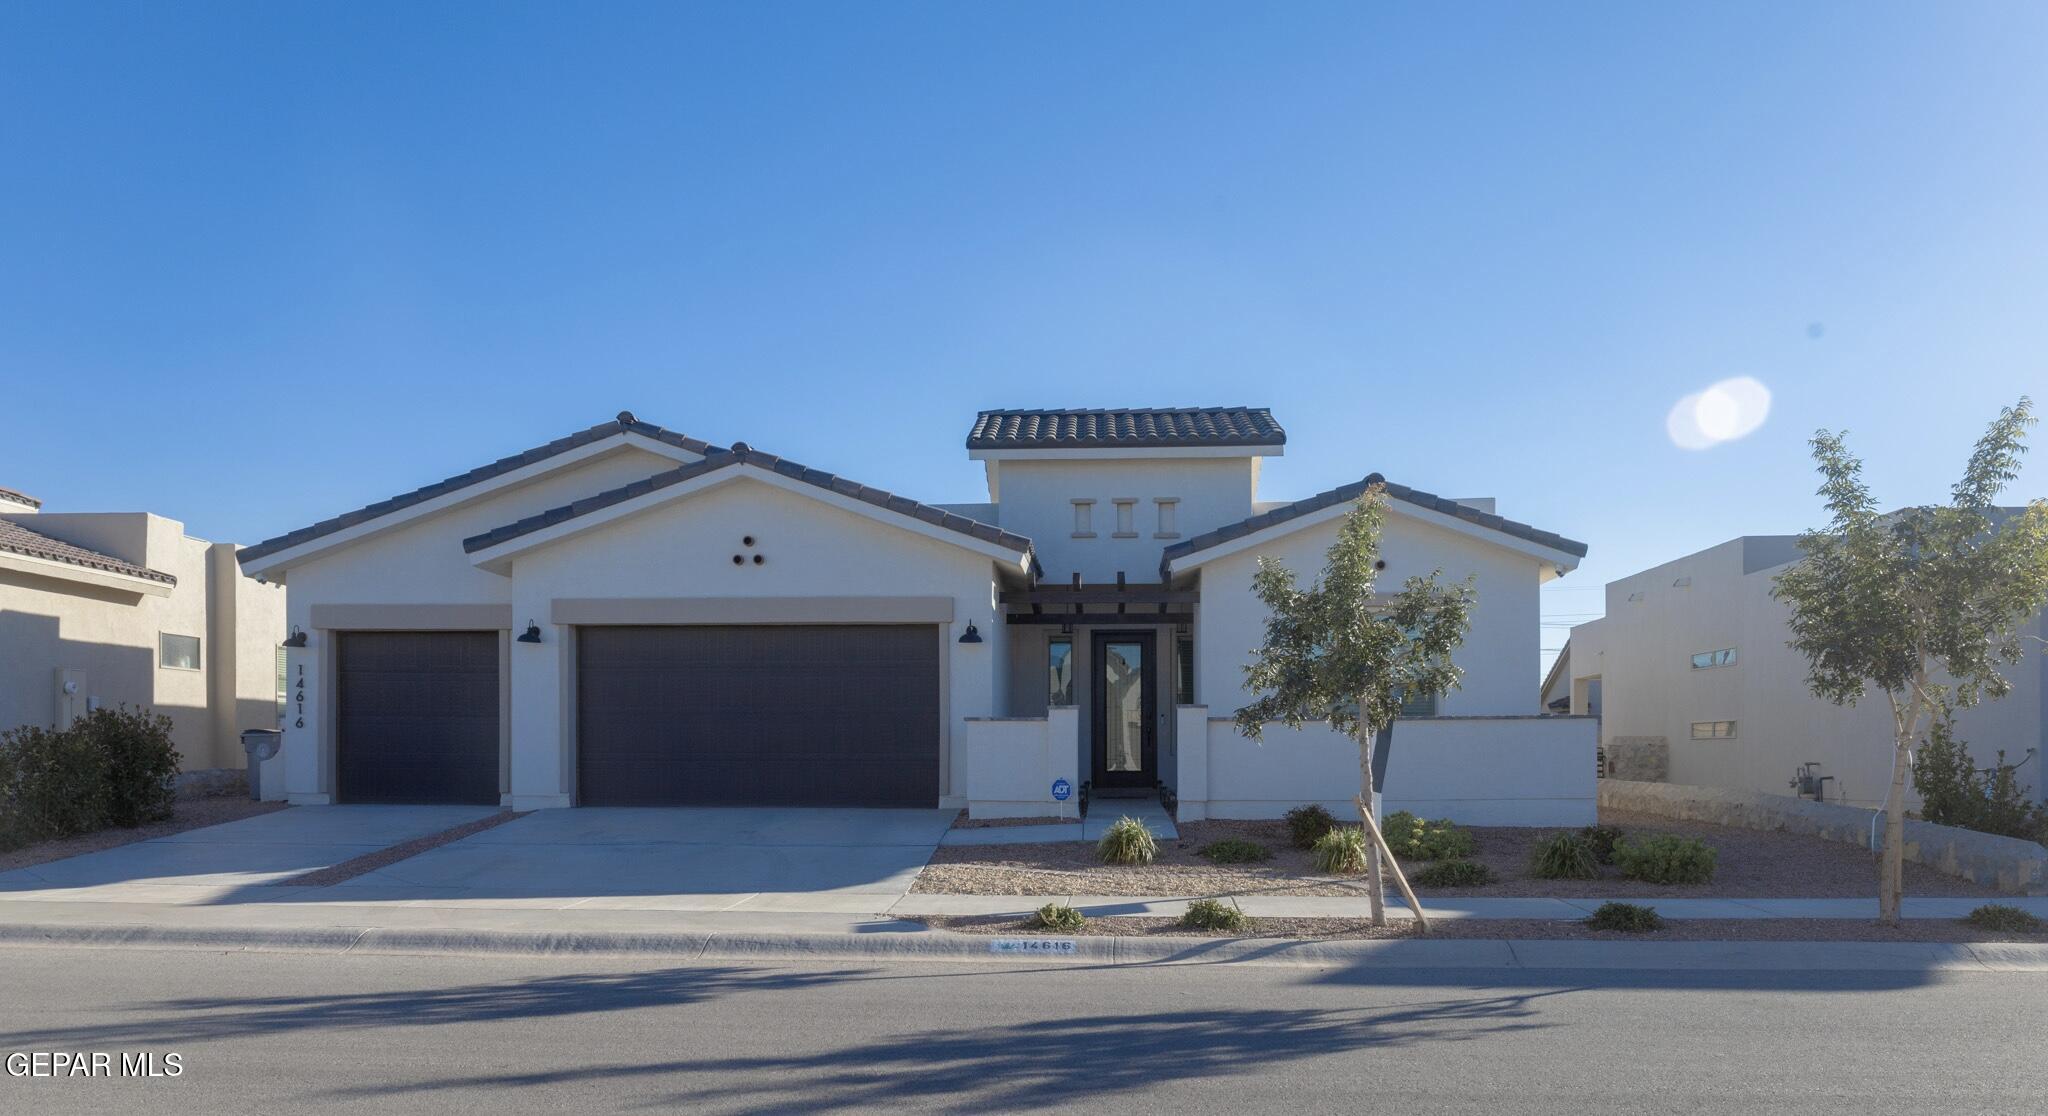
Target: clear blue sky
261	264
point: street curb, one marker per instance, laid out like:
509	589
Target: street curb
902	941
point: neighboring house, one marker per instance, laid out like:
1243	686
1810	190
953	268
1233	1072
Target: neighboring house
632	616
123	608
1691	665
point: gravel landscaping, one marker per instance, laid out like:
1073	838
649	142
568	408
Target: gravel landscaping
1675	930
186	813
1752	865
965	822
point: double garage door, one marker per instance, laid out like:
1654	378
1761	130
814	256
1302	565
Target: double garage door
726	716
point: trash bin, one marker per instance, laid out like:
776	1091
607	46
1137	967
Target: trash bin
259	745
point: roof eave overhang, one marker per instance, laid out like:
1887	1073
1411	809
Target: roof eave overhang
84	575
1110	453
1555	562
272	566
499	558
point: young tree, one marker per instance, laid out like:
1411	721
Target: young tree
1342	653
1924	604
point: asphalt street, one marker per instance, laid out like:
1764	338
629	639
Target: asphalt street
281	1032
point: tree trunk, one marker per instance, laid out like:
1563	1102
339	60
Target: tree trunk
1375	887
1891	873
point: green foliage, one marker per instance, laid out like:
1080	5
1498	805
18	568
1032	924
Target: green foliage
1603	839
1235	850
2003	919
1665	858
1340	852
52	784
1954	792
1126	841
1629	918
140	763
1411	838
1058	916
1564	856
1305	824
1322	660
1212	914
1454	873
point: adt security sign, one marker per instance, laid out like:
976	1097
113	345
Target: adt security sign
1062	790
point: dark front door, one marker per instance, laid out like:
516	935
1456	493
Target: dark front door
1126	741
416	718
758	716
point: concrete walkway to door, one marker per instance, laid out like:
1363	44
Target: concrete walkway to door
670	858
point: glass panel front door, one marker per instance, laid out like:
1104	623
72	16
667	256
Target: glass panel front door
1123	693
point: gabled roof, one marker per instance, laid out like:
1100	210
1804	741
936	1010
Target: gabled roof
1151	428
16	539
20	497
743	454
1348	493
624	424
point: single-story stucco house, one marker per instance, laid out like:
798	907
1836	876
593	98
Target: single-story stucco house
632	616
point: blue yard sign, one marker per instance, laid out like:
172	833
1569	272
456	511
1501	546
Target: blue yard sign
1062	790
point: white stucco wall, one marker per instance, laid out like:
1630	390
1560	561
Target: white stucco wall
1037	502
1499	656
1494	771
1641	654
684	550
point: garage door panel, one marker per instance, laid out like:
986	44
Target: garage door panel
417	717
838	715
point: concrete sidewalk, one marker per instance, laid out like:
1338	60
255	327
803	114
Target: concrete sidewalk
1322	906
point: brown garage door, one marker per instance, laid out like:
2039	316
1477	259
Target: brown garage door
416	717
758	716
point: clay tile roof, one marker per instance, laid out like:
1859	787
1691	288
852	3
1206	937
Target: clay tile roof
20	497
16	539
625	423
1345	494
1150	428
743	454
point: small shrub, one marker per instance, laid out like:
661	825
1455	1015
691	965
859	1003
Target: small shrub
1665	858
1235	850
1629	918
1454	873
2003	919
1340	852
1307	824
1954	792
1126	841
1602	838
141	763
1057	916
1411	838
52	784
1211	914
1564	856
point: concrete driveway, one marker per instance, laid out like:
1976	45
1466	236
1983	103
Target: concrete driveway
675	858
219	863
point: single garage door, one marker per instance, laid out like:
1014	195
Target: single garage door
758	716
416	718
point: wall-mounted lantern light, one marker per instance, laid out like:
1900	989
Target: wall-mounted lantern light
531	634
971	635
296	639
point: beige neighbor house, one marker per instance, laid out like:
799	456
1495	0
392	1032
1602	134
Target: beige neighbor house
123	608
1693	682
632	616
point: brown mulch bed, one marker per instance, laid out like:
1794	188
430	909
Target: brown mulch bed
1675	930
965	822
186	813
405	850
1752	864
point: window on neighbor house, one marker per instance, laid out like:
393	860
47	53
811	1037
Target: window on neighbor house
1169	517
178	652
1713	730
1708	660
1060	671
1126	518
1184	669
1420	706
283	686
1084	519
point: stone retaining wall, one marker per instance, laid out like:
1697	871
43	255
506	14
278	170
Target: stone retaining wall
2004	862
